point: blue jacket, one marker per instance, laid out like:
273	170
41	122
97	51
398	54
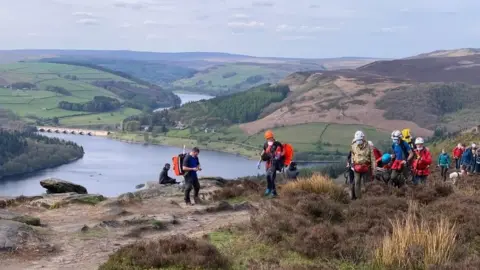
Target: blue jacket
444	160
467	157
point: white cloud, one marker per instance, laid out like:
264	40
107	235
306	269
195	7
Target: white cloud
126	25
83	14
298	37
240	16
261	3
305	28
150	22
393	29
130	4
88	21
246	25
152	37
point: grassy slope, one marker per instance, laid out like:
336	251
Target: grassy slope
220	84
304	138
44	103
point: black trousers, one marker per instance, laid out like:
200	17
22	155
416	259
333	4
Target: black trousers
191	182
271	176
443	172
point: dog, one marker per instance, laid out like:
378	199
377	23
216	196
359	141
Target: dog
454	176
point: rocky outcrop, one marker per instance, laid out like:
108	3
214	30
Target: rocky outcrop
54	185
13	234
8	215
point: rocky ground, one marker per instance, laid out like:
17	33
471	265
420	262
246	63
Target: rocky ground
80	231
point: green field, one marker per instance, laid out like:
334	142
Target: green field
304	138
39	103
333	136
212	80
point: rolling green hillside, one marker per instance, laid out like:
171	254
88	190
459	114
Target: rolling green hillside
229	78
32	91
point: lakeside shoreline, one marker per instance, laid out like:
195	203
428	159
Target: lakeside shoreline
138	138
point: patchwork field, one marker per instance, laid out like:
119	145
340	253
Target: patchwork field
40	103
230	78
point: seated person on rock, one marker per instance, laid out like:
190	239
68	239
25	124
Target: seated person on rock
164	178
292	171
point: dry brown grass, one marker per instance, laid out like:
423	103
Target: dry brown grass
415	243
316	184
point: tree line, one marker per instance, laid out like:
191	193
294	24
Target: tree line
225	110
98	104
25	152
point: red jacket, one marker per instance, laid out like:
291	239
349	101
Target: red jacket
422	160
376	153
458	152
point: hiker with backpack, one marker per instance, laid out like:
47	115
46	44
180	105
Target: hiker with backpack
421	163
190	167
468	158
272	154
407	136
363	161
402	154
443	164
457	155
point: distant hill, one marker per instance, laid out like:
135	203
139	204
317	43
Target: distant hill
438	90
40	92
202	72
449	53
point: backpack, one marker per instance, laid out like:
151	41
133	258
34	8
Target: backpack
289	152
404	148
177	162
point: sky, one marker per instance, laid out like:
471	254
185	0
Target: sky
281	28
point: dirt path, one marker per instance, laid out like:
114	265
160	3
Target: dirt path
111	225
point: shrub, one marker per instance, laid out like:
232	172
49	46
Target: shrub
317	184
175	251
414	243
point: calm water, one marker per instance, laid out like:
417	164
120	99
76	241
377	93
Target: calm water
112	167
188	98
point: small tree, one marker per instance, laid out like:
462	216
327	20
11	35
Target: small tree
55	120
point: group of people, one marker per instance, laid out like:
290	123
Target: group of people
275	155
190	165
408	159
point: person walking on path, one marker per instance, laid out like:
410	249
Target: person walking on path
421	163
272	154
468	157
191	165
457	155
444	164
363	161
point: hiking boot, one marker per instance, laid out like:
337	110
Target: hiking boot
188	203
196	200
274	194
267	192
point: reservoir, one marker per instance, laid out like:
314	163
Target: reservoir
112	167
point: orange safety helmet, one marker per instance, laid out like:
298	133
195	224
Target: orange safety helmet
268	135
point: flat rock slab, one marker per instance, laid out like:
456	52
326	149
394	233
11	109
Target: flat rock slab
54	185
12	216
13	234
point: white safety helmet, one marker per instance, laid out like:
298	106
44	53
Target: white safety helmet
359	135
396	134
370	143
474	145
459	145
419	140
